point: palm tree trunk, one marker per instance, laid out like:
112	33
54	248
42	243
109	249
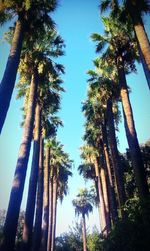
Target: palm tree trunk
102	209
105	195
131	134
46	200
144	47
112	197
12	216
84	232
145	66
54	213
30	207
142	38
115	156
39	202
50	213
9	77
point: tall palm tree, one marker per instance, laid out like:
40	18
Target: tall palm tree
91	156
121	52
10	226
115	155
46	199
27	229
103	80
134	10
31	64
30	14
60	165
96	121
83	207
37	235
45	101
39	201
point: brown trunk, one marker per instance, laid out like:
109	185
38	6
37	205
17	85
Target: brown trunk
54	213
102	209
50	212
145	66
84	232
39	202
12	216
46	200
115	156
30	207
112	197
142	38
105	195
9	77
131	134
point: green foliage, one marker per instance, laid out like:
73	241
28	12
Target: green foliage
60	166
82	203
133	232
19	228
71	241
2	221
129	178
142	6
94	243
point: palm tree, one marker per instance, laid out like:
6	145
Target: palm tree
45	101
103	80
121	52
37	63
83	206
30	14
115	155
39	201
60	165
27	229
95	112
46	199
10	226
53	123
91	156
134	10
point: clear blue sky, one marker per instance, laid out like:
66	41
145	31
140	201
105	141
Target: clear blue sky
75	20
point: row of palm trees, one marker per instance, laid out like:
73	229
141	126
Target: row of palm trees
31	19
35	45
120	48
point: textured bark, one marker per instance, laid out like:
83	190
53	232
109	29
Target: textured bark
50	213
9	77
39	202
142	38
112	198
46	200
102	209
30	207
115	156
54	213
105	195
12	216
145	66
84	232
131	134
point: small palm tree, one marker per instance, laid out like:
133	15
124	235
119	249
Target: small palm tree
83	207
